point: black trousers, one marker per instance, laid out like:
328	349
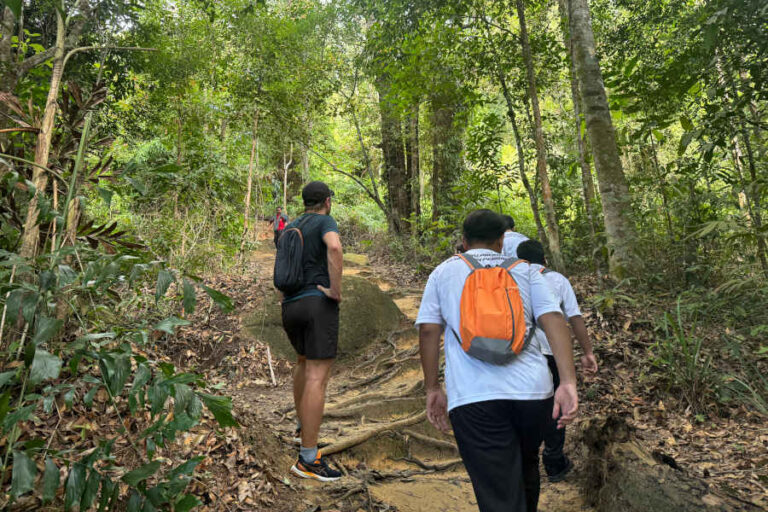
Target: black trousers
554	439
499	444
277	236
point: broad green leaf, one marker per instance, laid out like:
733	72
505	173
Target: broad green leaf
106	195
189	298
51	479
221	300
182	397
221	407
185	468
157	396
180	423
142	376
13	305
685	141
186	503
75	486
67	276
91	490
109	493
23	476
5	406
134	502
88	398
686	123
116	368
169	324
45	366
133	478
137	185
17	416
164	280
46	329
6	377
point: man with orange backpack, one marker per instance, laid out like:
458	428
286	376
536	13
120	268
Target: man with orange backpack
499	388
556	463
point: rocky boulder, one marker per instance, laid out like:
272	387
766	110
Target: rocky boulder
367	315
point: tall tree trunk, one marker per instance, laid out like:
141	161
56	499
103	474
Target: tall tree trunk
446	154
395	170
286	165
587	184
7	71
414	167
659	177
553	232
521	160
30	238
614	190
249	182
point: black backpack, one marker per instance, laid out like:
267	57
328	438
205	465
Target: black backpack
289	266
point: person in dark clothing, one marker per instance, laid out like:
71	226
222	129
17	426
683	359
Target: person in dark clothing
311	321
556	463
279	223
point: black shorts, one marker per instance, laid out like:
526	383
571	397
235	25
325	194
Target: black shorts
312	325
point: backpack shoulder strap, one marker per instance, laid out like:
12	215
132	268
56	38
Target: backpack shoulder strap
470	261
511	263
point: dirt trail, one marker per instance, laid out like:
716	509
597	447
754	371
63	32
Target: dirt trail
407	465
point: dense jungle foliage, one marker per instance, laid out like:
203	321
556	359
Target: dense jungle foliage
142	141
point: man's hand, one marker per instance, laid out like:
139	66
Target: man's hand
566	404
437	410
589	363
330	293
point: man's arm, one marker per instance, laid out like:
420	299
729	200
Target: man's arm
559	337
429	350
332	242
588	361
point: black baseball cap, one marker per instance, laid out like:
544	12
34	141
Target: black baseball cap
315	192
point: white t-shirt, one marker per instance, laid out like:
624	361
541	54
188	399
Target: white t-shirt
511	240
469	380
563	291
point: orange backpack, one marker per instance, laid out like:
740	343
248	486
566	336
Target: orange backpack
493	327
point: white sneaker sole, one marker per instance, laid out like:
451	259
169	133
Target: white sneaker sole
303	474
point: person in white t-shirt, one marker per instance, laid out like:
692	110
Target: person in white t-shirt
511	238
556	463
498	412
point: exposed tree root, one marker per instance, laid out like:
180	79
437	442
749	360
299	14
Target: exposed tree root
366	397
441	466
365	436
389	373
437	443
360	410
